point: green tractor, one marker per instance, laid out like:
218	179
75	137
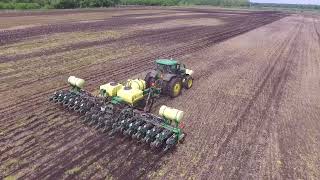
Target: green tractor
171	76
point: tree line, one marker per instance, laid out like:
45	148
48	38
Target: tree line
187	2
55	4
69	4
289	6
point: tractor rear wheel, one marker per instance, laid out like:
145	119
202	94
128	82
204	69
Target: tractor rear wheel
188	82
174	87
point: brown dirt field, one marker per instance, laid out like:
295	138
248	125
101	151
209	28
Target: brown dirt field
253	112
11	21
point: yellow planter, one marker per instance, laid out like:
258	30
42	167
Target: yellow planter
130	95
137	84
111	88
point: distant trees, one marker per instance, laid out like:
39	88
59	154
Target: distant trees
64	4
292	6
187	2
98	3
19	4
68	4
219	2
150	2
55	4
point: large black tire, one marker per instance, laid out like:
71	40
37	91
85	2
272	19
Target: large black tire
188	82
149	80
174	87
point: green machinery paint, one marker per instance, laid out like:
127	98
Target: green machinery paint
168	62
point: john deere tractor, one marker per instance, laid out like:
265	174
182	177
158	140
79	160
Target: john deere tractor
171	75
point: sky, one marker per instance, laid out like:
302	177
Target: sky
317	2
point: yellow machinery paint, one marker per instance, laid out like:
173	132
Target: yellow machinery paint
77	82
111	88
130	95
171	113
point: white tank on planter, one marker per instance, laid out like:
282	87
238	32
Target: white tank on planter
77	82
171	113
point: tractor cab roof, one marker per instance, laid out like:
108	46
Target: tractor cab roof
166	62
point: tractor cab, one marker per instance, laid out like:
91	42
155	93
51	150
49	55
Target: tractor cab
169	66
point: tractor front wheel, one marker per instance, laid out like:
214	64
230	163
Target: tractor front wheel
174	87
188	82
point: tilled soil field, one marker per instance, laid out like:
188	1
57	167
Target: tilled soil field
253	112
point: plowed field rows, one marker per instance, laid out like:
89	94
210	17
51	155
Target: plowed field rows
253	112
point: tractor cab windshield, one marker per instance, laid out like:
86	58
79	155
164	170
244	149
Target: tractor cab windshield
166	68
181	67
